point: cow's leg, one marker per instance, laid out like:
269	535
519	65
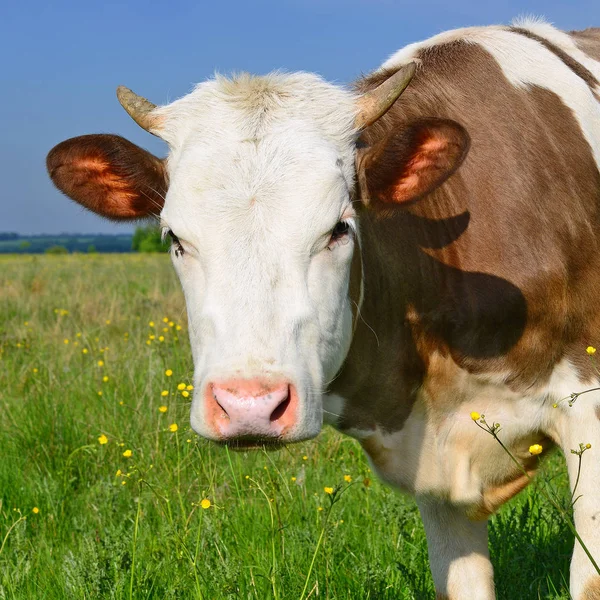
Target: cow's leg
458	552
580	424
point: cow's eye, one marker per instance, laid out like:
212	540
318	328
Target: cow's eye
176	244
339	233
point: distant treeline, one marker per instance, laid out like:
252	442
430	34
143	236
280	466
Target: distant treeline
145	239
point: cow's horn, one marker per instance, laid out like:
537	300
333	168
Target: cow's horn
139	109
376	103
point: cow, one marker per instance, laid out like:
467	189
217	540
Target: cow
390	265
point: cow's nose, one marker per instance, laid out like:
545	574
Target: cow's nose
251	408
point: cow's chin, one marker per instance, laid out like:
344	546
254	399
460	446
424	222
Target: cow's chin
248	444
252	442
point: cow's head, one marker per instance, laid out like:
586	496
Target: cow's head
257	196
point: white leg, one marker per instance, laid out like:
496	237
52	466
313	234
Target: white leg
458	552
580	424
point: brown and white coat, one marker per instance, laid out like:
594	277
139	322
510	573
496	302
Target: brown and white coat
391	272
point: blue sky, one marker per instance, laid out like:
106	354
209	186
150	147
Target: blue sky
61	63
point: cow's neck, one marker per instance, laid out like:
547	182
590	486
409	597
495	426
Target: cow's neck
383	370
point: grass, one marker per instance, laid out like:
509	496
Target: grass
111	526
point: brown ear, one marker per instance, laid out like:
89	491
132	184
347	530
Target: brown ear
109	175
410	163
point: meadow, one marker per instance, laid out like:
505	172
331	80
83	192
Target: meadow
105	492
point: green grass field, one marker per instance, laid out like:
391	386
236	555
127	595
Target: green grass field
156	513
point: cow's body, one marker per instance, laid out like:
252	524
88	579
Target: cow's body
480	293
484	296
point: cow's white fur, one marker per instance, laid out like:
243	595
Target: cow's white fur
261	169
458	552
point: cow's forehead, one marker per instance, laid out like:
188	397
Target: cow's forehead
248	107
279	143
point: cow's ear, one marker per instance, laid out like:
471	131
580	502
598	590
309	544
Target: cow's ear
410	163
109	175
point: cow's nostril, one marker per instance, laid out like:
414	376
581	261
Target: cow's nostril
225	414
280	409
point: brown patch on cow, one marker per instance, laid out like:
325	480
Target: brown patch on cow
494	497
592	589
567	59
497	267
588	41
109	175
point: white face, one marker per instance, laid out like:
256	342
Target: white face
261	173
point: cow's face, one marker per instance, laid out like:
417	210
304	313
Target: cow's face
256	194
259	209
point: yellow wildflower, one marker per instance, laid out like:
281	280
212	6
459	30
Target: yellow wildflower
108	321
85	351
588	446
100	363
99	392
173	427
205	503
171	323
127	453
178	327
185	394
151	323
124	482
189	388
148	342
102	440
181	386
78	334
320	508
590	350
118	473
328	490
165	329
35	510
35	370
162	409
164	393
293	478
168	372
105	378
161	338
347	478
66	341
165	319
475	416
151	337
535	449
305	457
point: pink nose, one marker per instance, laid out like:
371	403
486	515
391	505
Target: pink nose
250	408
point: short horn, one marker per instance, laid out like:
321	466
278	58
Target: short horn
377	102
139	109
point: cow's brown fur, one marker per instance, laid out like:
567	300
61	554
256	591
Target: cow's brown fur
592	589
496	270
496	297
589	41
